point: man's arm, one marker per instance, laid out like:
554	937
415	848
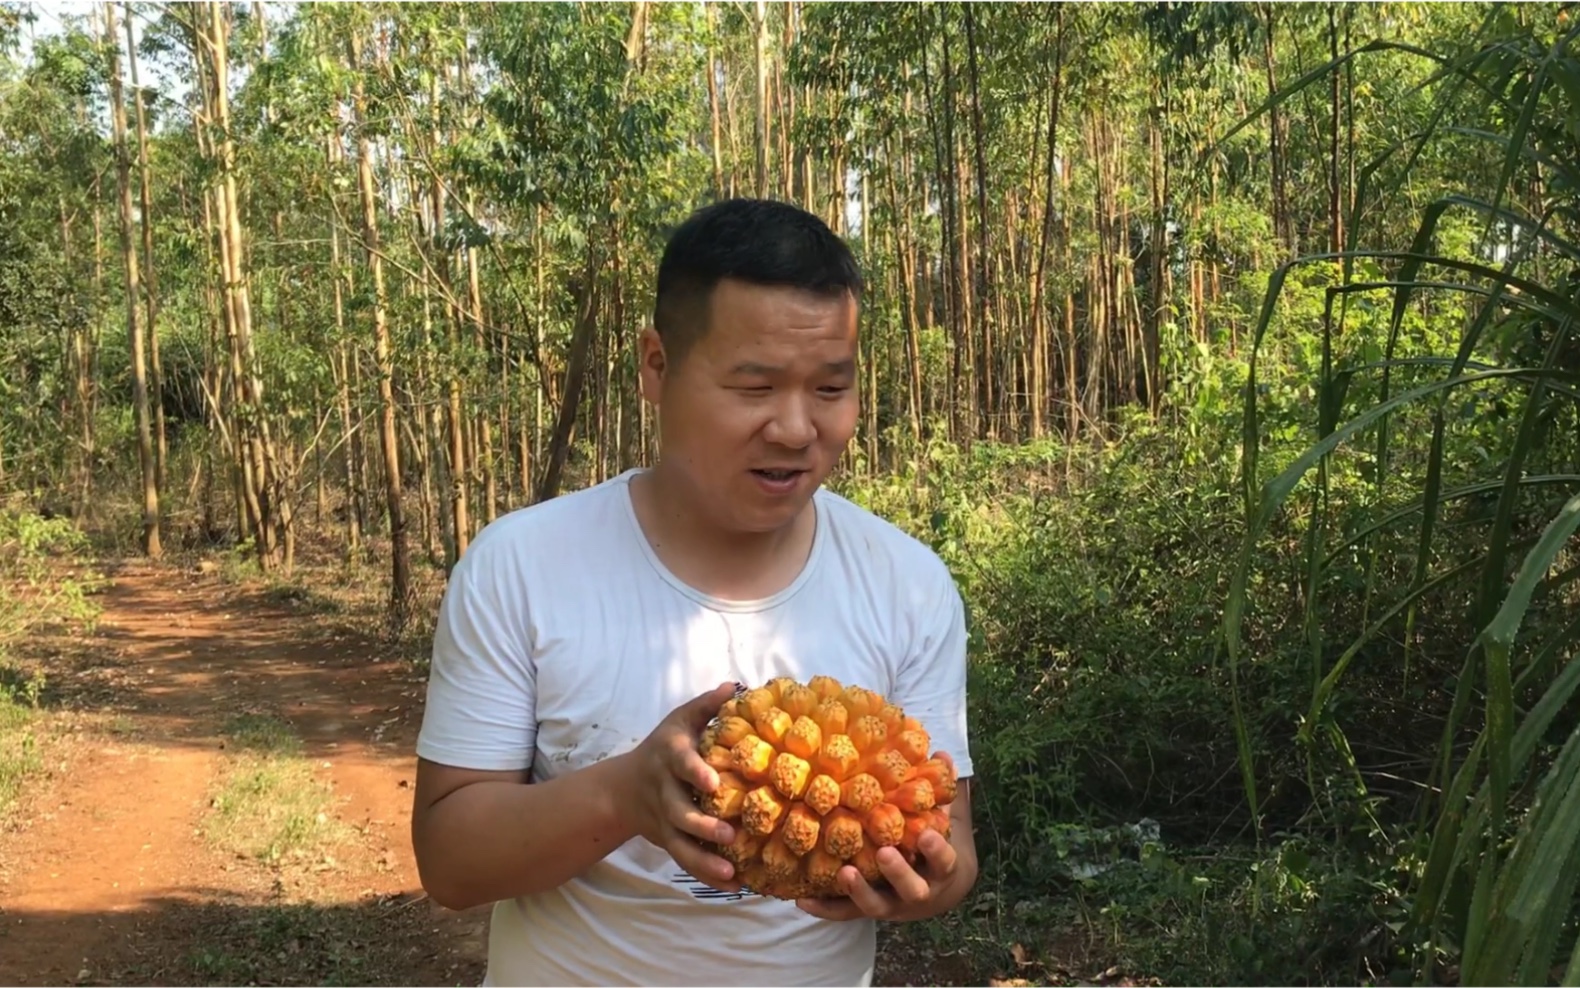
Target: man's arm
479	830
481	836
484	836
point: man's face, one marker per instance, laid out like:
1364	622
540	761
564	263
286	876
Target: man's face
759	409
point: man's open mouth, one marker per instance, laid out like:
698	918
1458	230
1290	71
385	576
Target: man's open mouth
778	475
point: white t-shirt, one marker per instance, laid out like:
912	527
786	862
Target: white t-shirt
563	640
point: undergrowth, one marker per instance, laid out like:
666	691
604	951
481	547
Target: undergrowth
19	754
44	582
1111	821
1111	789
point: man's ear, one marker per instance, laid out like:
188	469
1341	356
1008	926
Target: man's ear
652	362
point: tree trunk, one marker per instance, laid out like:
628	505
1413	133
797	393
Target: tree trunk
460	496
950	277
1158	276
585	294
1335	172
1039	314
1071	361
713	67
485	427
900	235
760	48
1277	140
251	426
134	323
150	282
987	371
400	600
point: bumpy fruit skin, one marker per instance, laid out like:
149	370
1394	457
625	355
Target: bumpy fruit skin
817	775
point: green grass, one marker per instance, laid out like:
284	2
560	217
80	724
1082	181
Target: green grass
19	757
269	805
302	941
374	940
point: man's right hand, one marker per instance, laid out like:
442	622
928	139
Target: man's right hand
665	771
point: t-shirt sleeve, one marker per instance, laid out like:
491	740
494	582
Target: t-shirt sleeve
931	681
481	707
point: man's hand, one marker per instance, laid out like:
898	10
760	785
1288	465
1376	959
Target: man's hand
663	770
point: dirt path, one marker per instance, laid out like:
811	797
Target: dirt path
109	878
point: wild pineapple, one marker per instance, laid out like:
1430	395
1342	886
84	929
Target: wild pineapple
814	775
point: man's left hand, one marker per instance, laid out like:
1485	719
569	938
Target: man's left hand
936	884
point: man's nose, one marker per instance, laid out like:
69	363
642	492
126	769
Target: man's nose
791	424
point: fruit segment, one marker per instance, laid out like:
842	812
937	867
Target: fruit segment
822	794
831	717
868	733
942	778
913	745
822	868
791	775
805	738
915	796
817	774
733	730
843	836
866	862
753	756
861	793
726	801
797	700
890	769
838	757
885	824
754	704
773	725
762	810
801	829
720	758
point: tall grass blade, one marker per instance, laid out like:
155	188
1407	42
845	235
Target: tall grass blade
1571	976
1530	900
1500	633
1509	914
1497	644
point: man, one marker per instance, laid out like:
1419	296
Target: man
584	642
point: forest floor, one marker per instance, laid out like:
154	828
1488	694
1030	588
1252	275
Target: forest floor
222	795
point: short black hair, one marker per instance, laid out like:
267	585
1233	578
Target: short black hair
761	241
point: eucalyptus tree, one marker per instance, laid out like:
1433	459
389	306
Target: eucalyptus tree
137	326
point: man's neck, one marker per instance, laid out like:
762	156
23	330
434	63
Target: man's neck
731	565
